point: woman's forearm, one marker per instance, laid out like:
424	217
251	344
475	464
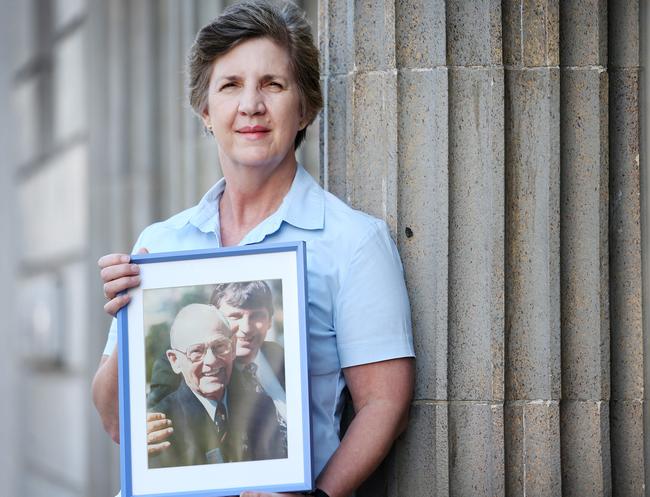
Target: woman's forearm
381	415
105	395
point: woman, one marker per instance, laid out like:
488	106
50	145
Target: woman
254	82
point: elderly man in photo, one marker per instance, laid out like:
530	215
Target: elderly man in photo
216	418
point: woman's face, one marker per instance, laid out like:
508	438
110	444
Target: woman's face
254	106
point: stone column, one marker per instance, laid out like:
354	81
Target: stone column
421	456
384	150
627	392
584	249
476	236
532	247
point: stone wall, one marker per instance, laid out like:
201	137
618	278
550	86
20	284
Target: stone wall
500	141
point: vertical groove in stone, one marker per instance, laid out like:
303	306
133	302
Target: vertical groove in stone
584	416
423	213
476	231
532	246
475	234
475	449
625	284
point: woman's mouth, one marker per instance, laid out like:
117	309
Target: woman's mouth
253	132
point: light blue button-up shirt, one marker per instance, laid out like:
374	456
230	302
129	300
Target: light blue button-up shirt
358	308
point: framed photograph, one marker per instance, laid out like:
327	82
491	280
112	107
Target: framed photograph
213	365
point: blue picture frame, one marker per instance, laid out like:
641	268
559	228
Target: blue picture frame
288	260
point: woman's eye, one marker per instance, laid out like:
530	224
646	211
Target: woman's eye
227	85
275	84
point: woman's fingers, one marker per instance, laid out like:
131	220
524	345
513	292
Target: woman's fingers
113	259
115	304
111	273
118	275
113	287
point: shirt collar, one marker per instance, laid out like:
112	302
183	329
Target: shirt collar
303	207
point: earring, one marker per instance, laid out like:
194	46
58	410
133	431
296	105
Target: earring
209	128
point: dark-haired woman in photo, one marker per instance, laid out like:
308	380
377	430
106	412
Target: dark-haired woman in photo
254	82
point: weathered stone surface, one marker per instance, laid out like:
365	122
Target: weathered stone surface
583	31
531	35
59	452
421	456
52	224
336	41
372	166
584	431
532	289
374	36
336	126
423	213
532	448
628	471
420	33
475	449
474	33
476	234
584	224
625	236
623	17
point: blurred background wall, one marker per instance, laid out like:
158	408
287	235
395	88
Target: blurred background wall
503	141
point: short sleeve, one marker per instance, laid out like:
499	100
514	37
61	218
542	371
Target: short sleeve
372	313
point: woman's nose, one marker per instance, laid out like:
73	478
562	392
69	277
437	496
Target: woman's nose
251	101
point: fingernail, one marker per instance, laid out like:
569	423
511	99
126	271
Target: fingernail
135	268
170	430
125	258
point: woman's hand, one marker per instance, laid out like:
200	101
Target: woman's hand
118	275
159	428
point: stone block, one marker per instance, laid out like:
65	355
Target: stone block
54	207
623	32
56	438
69	89
476	465
422	233
420	462
372	166
532	287
27	124
420	33
476	225
531	33
74	286
532	448
584	245
337	46
583	31
336	132
584	433
625	236
628	461
474	33
374	36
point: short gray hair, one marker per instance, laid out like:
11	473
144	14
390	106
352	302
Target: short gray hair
282	22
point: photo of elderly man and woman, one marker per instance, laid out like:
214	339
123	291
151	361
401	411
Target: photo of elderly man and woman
215	373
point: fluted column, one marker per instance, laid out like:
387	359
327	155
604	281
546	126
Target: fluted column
476	201
532	247
421	456
584	249
627	392
384	150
